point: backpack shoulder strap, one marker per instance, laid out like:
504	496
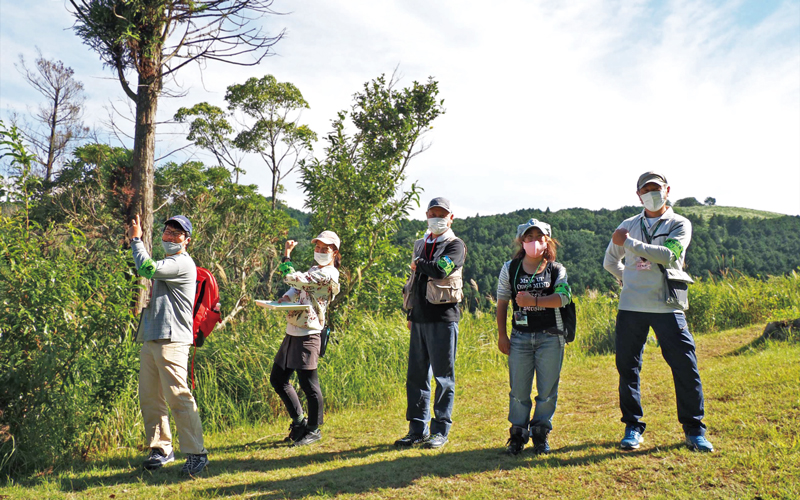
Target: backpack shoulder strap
513	269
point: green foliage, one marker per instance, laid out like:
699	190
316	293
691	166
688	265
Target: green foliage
710	201
688	202
65	348
356	192
237	234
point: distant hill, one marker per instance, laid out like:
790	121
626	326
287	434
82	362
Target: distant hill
706	211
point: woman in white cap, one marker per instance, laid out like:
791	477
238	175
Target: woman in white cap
536	285
300	349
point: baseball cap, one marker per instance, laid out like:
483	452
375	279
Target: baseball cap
329	238
651	177
440	202
543	227
183	221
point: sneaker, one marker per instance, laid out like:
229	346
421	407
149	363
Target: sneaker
515	444
539	438
158	459
296	431
699	443
633	438
194	464
436	441
411	439
308	438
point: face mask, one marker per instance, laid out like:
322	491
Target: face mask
654	200
171	248
534	249
437	225
323	259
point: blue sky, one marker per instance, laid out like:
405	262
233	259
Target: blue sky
549	103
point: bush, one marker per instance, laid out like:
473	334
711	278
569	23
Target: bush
66	351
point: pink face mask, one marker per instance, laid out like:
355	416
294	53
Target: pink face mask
534	249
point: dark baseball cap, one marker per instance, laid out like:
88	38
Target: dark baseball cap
182	221
440	202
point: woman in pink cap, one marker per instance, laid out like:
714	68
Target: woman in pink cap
300	349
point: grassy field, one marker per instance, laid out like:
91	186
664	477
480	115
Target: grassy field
707	211
752	405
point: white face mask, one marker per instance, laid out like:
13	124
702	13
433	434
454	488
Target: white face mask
323	259
654	200
437	225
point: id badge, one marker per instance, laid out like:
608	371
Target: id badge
643	264
520	318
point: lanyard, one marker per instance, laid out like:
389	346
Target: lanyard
516	274
433	249
646	233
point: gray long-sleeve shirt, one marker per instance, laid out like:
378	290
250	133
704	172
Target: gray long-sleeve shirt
169	315
643	286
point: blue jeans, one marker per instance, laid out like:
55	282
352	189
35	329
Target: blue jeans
677	347
432	352
541	354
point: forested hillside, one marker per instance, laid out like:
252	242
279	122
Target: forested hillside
720	244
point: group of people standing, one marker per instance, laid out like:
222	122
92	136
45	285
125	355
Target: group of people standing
645	252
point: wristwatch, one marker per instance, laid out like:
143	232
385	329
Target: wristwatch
285	259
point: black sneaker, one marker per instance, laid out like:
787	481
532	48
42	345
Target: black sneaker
539	438
436	441
308	438
158	459
296	431
194	464
411	439
516	441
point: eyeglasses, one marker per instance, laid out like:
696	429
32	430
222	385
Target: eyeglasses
531	237
174	232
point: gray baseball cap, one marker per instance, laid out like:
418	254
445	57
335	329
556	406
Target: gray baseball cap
440	202
651	177
543	227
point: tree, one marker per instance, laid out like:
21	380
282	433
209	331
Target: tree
59	119
688	202
710	201
211	131
356	189
154	39
275	134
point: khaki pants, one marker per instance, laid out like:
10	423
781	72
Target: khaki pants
163	373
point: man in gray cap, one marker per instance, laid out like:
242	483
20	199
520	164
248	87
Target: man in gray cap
653	245
165	331
431	297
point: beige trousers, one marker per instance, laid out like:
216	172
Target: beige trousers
162	380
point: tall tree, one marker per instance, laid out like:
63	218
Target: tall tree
153	39
211	130
273	107
356	189
59	119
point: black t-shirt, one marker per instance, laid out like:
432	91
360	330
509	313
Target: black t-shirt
540	285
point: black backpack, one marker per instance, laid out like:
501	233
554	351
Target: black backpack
569	316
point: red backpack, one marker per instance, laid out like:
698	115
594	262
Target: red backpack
206	309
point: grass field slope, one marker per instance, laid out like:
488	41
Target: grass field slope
752	408
706	211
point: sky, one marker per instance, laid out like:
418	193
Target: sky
549	104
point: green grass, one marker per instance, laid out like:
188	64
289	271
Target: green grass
747	213
752	406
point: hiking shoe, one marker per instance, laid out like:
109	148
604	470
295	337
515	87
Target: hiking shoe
633	438
158	459
699	443
296	431
411	439
436	441
308	438
539	438
194	464
518	436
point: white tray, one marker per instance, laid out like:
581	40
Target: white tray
285	306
